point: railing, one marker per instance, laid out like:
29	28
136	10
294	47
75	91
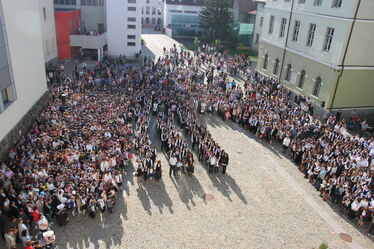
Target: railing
88	41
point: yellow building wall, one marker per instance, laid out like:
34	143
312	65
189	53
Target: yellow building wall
355	89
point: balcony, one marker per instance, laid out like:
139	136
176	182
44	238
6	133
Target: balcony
89	40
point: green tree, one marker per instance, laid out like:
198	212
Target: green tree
214	19
196	42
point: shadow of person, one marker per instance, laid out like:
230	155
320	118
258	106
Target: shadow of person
144	198
160	198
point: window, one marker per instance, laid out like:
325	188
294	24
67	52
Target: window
261	21
101	2
147	10
257	38
147	20
5	96
301	1
131	1
132	26
153	10
142	10
148	1
265	65
317	2
300	84
159	21
131	36
142	20
296	31
288	72
159	10
131	8
276	67
95	2
337	3
131	19
45	14
271	25
283	27
317	87
153	20
312	30
131	44
328	39
286	1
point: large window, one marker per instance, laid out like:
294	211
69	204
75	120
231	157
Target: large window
159	20
296	31
261	21
131	19
266	58
276	67
153	20
317	2
288	72
147	9
131	8
153	10
328	39
312	30
301	1
300	84
317	86
271	25
131	1
337	3
131	44
131	37
132	26
283	27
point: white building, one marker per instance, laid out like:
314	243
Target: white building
47	19
123	27
181	17
22	72
152	13
321	49
260	11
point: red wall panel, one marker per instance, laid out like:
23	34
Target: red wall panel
67	22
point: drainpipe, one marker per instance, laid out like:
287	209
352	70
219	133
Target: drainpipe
285	45
344	56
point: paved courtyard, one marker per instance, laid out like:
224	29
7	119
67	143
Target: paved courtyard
263	202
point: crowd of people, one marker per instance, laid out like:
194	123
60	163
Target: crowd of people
338	164
72	159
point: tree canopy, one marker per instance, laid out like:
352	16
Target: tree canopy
214	19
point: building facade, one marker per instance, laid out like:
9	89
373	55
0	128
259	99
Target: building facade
104	26
47	19
181	17
124	27
260	11
244	16
321	49
152	13
22	71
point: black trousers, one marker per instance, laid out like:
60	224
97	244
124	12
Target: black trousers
224	169
172	170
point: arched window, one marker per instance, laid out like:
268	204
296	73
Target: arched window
276	67
147	20
142	20
265	65
301	79
159	21
153	20
288	72
317	87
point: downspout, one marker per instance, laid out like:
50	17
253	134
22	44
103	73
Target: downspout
285	45
345	54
